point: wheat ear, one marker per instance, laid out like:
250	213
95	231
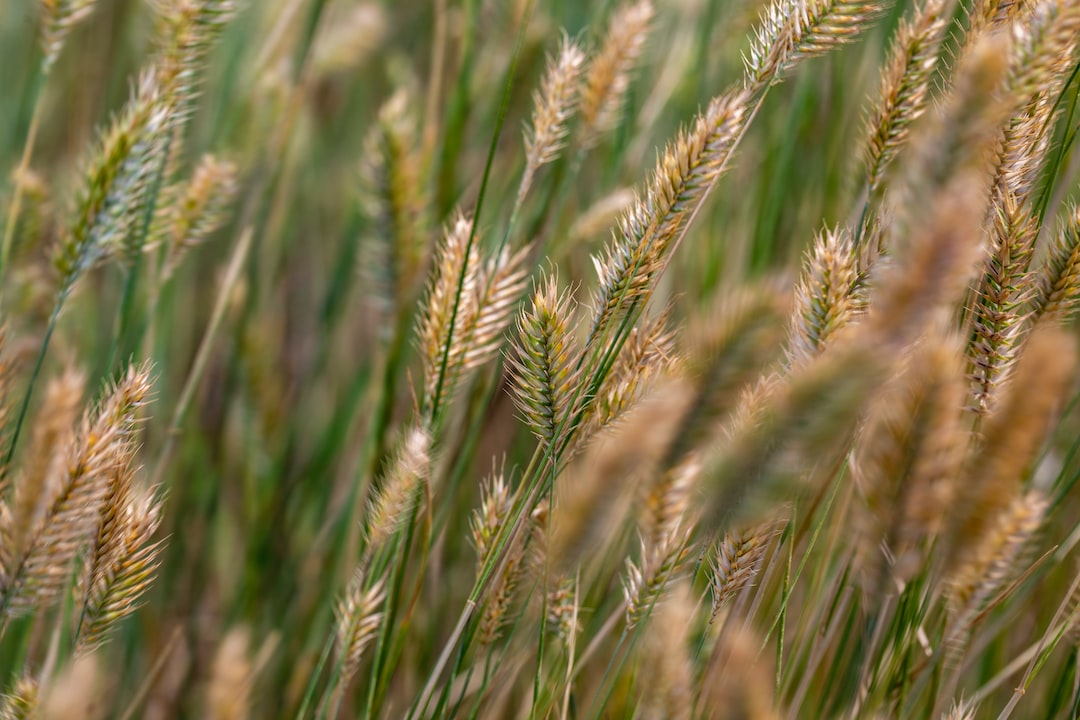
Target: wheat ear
825	298
1058	293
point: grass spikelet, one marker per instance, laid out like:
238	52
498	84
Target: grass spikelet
667	501
201	209
228	695
593	495
1042	50
647	353
40	572
189	30
451	296
487	522
555	104
122	559
1058	292
1013	436
59	18
735	563
905	83
907	457
392	198
1000	303
647	580
961	710
52	435
358	620
398	489
825	296
999	556
543	360
793	30
115	183
500	288
737	681
669	694
608	75
647	235
22	703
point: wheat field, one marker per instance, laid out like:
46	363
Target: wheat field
539	359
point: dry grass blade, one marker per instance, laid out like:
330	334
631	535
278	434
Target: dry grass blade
792	30
228	695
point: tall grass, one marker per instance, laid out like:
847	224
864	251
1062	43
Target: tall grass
528	360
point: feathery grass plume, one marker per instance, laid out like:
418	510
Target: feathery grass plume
502	283
600	216
793	30
667	500
76	693
470	303
228	695
906	460
1000	304
122	560
59	18
189	30
199	209
961	710
398	489
452	289
358	620
346	44
825	296
555	104
647	354
737	682
1012	438
595	492
648	579
905	84
543	359
724	356
736	562
608	75
22	703
799	417
1042	52
1058	292
647	234
392	199
487	522
53	433
999	556
41	570
113	195
669	692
